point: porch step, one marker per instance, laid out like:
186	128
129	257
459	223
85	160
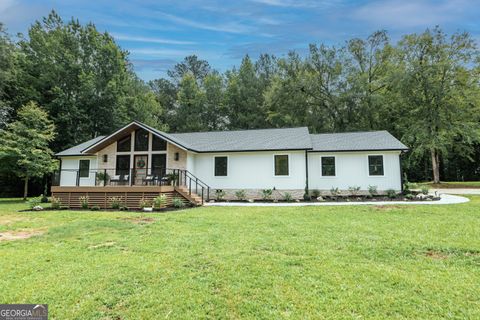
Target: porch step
193	197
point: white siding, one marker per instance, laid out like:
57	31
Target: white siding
352	170
70	165
191	162
251	170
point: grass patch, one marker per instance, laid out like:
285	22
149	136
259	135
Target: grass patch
453	185
406	262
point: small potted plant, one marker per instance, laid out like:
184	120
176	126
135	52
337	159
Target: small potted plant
102	178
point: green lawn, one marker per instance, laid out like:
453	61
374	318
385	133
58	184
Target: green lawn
453	184
412	262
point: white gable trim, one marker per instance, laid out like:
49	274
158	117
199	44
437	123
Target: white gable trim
141	125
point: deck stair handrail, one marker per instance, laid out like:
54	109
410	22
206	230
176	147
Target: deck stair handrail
192	183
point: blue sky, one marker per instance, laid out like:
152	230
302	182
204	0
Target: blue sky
160	33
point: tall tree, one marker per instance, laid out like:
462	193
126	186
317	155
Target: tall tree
214	112
439	93
7	75
25	146
244	97
165	93
368	70
79	75
286	99
266	68
190	106
191	64
141	104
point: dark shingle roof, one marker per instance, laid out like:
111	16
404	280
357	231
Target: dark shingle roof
77	150
356	141
246	140
261	139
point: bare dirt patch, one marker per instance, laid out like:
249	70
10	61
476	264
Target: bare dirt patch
7	220
19	235
140	220
436	255
388	207
103	245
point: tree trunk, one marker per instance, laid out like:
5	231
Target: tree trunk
25	189
435	166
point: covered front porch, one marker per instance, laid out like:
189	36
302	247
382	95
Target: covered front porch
102	184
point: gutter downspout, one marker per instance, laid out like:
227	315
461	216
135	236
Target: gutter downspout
306	171
401	171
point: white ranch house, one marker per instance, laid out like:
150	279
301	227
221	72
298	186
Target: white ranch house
139	161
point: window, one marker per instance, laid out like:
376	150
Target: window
84	168
177	156
141	140
281	165
158	144
105	158
159	164
123	165
375	165
328	166
124	144
221	164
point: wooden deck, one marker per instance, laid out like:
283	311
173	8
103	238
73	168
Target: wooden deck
114	189
99	196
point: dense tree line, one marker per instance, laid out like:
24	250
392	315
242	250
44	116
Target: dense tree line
424	89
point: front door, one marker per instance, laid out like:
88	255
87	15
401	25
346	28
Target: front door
141	165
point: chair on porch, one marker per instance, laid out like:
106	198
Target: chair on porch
149	180
119	179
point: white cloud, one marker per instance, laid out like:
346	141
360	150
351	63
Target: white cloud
161	52
17	16
6	4
405	13
150	40
230	27
297	3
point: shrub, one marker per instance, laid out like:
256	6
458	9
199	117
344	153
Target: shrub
102	177
315	193
392	194
241	195
33	202
84	202
172	178
220	194
95	208
178	203
354	190
44	198
115	202
143	203
372	190
267	194
424	190
55	203
334	191
409	196
160	201
287	197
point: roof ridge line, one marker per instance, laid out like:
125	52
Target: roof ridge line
241	130
368	131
